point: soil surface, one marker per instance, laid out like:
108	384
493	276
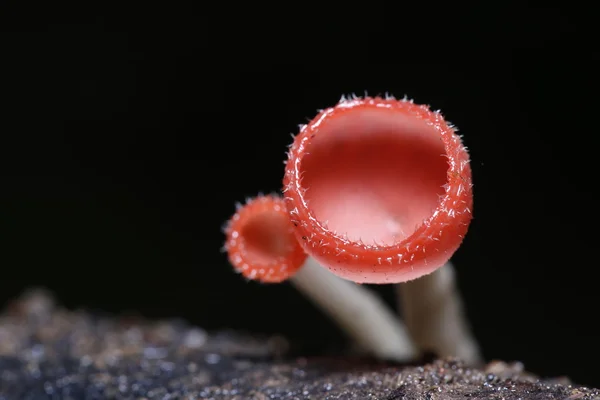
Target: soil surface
47	352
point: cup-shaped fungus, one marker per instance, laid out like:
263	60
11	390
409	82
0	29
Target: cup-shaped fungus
261	245
379	191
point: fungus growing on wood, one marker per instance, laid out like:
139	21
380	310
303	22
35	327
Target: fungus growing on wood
379	191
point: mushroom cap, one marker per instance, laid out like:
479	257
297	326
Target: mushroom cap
379	190
260	241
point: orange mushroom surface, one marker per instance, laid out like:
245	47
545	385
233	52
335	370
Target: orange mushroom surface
260	241
379	190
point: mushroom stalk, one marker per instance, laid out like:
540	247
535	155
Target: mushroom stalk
363	315
435	317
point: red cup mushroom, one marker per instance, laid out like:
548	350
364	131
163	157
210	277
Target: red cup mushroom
261	245
379	191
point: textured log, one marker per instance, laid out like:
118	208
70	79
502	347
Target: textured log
47	352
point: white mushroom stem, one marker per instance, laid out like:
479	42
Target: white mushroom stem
360	312
435	317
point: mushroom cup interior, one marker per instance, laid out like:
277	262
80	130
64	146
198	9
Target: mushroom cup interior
374	175
267	238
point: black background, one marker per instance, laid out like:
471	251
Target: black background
128	135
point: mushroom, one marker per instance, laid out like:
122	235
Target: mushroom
379	191
261	245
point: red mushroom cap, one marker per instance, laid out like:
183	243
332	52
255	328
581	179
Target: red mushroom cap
379	190
260	241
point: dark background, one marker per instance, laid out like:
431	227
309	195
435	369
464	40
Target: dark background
127	135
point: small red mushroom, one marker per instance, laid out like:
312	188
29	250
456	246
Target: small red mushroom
260	241
261	245
379	191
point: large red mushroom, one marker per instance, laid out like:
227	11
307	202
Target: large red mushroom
379	191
